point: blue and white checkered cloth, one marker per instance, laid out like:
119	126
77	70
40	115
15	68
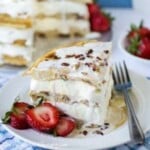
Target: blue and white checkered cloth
9	142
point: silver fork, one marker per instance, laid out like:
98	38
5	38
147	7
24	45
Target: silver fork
123	84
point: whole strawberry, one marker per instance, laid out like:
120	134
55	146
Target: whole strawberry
99	21
17	116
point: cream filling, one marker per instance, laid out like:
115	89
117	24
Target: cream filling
78	91
54	24
9	35
13	50
51	8
17	8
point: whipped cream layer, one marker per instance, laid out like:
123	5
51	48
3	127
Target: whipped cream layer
83	100
17	8
62	27
14	50
9	35
52	8
90	62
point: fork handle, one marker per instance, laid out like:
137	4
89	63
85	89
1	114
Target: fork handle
136	132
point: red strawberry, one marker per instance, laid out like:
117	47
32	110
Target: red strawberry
144	49
17	115
21	107
144	32
132	34
43	118
18	121
100	23
65	126
93	9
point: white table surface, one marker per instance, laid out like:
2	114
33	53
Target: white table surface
123	19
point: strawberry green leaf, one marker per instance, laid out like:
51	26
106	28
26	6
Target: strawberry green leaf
6	118
134	44
109	16
141	24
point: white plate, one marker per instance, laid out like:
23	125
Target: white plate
20	85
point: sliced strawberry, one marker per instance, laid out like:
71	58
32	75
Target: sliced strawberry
18	121
93	9
43	118
100	23
21	107
17	116
65	126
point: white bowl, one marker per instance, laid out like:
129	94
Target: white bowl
122	43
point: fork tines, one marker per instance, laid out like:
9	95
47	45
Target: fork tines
120	74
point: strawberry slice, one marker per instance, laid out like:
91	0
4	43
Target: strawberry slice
17	116
43	118
21	107
65	126
18	121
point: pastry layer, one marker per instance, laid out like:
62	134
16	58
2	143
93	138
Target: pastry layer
48	8
17	8
89	62
63	26
14	51
14	60
6	20
11	35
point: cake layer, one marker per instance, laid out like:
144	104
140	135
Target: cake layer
14	60
63	26
11	35
17	8
89	62
6	20
48	8
14	51
75	98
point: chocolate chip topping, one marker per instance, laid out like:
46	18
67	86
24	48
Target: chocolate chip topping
99	132
90	51
106	51
85	132
78	56
98	58
56	57
65	64
69	56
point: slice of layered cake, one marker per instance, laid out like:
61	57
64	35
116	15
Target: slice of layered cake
55	17
16	31
77	79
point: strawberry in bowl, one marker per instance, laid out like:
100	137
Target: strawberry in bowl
138	41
